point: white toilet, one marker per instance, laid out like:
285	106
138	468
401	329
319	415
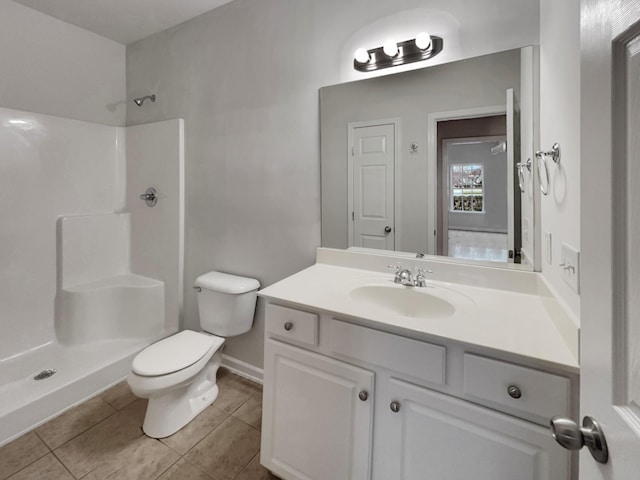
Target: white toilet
178	374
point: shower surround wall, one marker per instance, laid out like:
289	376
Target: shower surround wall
64	244
49	166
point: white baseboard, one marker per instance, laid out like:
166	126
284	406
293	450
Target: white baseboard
243	369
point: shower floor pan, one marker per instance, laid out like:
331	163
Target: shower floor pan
81	372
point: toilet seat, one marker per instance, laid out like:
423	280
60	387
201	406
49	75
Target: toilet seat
175	353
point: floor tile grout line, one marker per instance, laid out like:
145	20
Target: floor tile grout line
166	469
64	466
247	465
78	434
84	431
37	459
210	432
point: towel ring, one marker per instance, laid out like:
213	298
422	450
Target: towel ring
542	159
521	166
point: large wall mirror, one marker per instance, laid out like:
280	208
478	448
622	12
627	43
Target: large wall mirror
434	160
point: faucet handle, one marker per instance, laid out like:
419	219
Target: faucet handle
397	278
420	279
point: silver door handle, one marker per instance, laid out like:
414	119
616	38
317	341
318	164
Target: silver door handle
572	437
387	229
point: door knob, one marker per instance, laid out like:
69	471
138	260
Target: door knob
395	407
572	437
387	229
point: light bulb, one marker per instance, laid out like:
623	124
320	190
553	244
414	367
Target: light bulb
390	48
362	56
423	41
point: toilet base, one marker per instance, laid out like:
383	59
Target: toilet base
171	410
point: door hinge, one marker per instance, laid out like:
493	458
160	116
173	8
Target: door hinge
353	151
353	216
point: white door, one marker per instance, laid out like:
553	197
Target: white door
513	157
372	190
317	416
610	233
430	435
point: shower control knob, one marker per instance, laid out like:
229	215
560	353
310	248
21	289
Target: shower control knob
395	407
514	391
150	196
288	326
363	395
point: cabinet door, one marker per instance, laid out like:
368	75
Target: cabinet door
315	425
434	436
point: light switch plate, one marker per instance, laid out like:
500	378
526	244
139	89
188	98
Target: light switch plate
570	264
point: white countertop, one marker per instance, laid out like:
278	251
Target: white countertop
511	321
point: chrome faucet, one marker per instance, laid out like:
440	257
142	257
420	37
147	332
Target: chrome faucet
404	276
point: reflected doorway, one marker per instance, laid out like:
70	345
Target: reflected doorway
474	193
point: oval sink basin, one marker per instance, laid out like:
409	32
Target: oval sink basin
406	301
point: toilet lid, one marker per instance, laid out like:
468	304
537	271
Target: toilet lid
174	353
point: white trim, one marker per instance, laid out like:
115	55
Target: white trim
243	369
397	156
432	158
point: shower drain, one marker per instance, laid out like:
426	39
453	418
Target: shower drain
49	372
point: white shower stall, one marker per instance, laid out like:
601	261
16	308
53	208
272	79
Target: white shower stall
89	273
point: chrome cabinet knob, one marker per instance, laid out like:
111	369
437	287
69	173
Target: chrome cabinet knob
288	326
363	395
514	391
395	407
387	229
572	437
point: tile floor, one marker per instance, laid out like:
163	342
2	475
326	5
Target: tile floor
491	247
102	439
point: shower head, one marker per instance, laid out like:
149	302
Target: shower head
140	100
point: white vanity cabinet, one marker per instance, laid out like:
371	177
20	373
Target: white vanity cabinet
430	435
347	401
317	416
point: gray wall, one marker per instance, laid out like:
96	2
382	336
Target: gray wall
410	96
245	78
52	67
494	218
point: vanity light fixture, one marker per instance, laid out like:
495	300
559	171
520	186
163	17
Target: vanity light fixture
392	54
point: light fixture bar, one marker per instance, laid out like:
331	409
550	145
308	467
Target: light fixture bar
408	52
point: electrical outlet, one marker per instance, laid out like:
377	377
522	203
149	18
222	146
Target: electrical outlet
570	264
547	247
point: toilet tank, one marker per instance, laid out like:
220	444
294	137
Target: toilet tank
226	303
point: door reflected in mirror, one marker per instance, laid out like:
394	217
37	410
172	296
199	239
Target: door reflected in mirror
424	161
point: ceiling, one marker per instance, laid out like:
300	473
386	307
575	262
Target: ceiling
124	21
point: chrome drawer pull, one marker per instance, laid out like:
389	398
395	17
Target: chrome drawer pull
514	392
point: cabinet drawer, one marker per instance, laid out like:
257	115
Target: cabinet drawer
542	395
291	324
410	358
